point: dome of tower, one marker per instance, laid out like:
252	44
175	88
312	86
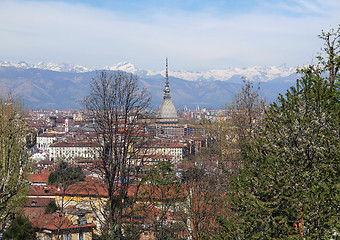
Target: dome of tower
167	112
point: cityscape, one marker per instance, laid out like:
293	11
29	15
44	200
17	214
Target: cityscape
217	134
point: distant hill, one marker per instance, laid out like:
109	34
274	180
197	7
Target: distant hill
61	89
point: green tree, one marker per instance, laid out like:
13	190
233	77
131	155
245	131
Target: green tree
65	176
51	207
288	187
20	229
14	158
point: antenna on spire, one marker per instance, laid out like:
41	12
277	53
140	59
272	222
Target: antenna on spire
166	70
166	87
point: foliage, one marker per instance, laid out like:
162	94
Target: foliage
31	139
51	207
14	158
65	176
20	229
288	187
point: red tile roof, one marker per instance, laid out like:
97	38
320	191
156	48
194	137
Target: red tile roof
38	178
37	202
54	222
99	189
47	190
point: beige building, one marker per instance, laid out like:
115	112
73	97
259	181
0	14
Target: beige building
175	149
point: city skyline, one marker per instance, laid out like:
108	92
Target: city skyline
195	35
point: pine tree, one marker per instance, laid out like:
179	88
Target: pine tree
288	187
20	229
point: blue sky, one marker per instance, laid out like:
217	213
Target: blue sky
196	35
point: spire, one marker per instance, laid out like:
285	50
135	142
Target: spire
166	88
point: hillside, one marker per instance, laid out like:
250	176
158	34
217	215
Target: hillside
47	89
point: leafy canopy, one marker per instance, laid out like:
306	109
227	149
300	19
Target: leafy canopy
65	175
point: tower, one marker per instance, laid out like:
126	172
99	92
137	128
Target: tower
66	125
166	113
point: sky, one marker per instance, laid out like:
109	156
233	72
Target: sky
196	35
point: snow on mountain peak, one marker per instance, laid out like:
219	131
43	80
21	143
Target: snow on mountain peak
255	73
123	66
48	66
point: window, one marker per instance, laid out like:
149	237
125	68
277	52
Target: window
81	235
67	236
81	219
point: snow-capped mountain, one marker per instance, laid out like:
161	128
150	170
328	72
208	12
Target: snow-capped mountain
49	66
256	73
61	86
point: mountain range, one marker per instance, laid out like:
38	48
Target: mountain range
62	86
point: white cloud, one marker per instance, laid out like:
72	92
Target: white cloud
61	32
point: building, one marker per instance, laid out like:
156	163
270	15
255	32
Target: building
167	114
166	123
44	140
166	117
37	200
72	151
176	150
56	226
88	200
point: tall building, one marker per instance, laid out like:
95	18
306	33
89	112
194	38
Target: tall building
166	114
166	124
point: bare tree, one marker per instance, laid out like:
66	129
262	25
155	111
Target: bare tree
117	103
331	62
205	201
247	110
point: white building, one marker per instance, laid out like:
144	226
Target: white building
44	140
71	151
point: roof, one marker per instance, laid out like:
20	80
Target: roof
48	134
167	145
100	190
54	222
167	112
86	189
38	178
75	144
46	190
37	202
155	156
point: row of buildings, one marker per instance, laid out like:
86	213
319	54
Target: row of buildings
71	137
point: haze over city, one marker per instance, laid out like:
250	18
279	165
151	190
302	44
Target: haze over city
195	35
